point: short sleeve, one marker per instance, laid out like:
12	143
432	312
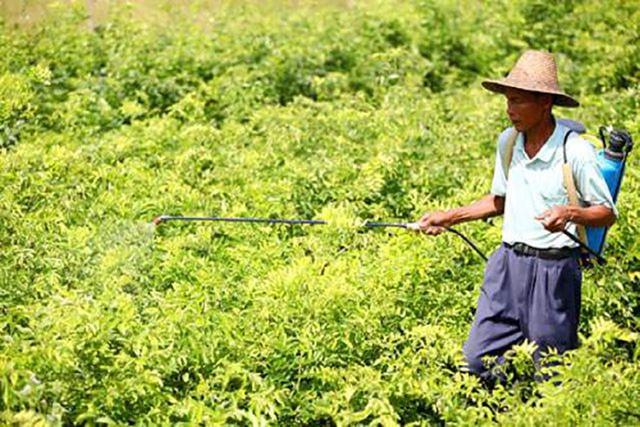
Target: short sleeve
499	182
591	185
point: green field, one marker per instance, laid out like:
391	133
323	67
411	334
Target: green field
343	111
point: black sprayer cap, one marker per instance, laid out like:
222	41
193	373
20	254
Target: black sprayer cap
620	141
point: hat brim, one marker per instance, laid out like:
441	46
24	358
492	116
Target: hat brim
559	98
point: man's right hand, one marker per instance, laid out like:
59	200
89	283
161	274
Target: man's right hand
434	223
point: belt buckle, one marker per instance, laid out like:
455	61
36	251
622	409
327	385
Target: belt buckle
522	248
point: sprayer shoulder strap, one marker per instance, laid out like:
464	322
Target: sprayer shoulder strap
570	186
507	155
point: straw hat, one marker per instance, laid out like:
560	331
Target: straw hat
535	71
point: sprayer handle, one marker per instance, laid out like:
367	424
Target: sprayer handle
413	226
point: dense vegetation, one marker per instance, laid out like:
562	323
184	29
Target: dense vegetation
372	111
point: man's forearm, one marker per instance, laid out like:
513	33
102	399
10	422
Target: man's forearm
593	216
488	206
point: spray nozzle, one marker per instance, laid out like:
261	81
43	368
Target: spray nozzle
157	220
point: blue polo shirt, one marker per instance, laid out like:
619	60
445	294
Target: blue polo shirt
536	184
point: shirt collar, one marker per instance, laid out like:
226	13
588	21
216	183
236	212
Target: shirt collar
548	150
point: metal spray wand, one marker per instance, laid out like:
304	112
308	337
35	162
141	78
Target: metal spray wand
406	225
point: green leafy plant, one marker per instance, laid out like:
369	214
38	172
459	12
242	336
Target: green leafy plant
342	112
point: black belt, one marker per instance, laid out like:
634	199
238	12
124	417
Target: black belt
551	253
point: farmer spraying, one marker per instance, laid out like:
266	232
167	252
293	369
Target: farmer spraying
545	182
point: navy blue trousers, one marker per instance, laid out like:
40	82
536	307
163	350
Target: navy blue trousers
524	297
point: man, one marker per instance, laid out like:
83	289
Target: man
532	282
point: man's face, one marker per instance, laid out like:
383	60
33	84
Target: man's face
527	109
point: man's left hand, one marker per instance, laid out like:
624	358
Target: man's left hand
554	219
